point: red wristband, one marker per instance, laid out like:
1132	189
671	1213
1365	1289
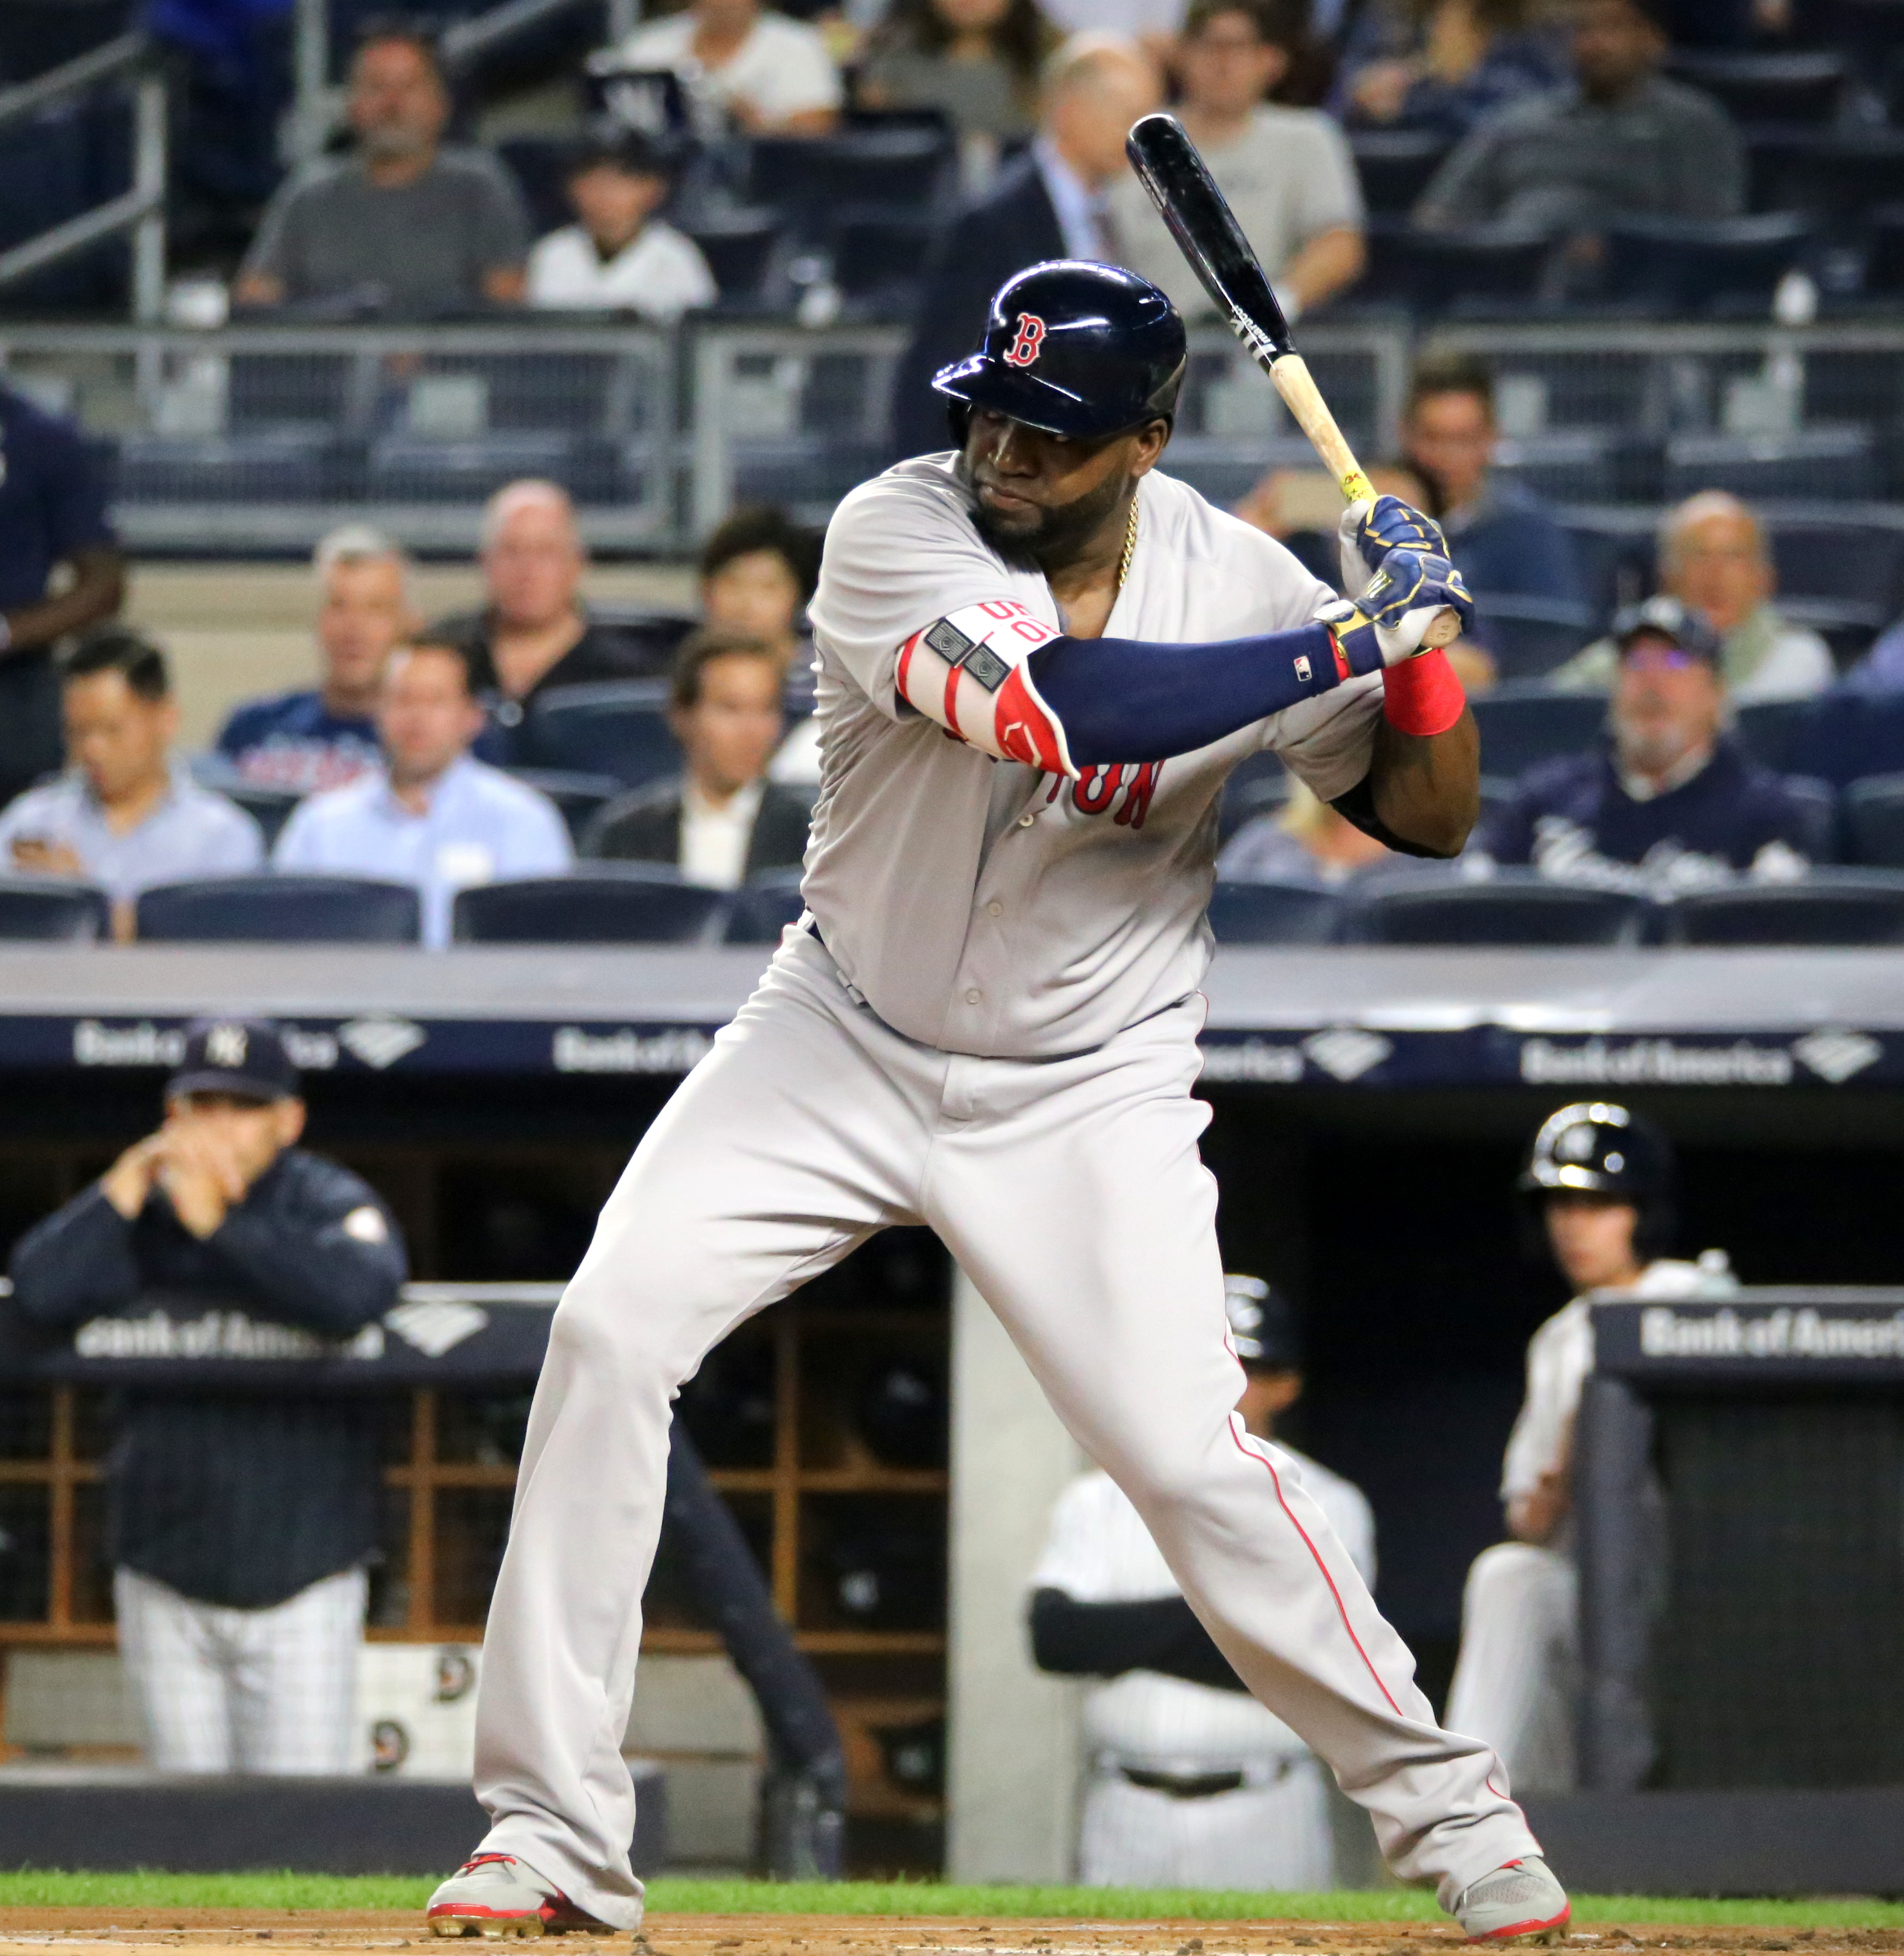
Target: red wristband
1422	695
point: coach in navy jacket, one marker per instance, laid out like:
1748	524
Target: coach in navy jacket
240	1523
1672	801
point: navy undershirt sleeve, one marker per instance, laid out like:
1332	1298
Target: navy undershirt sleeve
1126	699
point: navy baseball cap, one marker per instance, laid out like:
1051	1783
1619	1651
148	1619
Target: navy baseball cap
1264	1329
241	1056
1664	617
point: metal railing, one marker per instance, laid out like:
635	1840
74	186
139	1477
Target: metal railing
260	437
141	209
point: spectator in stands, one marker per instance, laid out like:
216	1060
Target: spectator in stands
1307	841
1287	173
405	225
743	64
1619	140
1673	802
1153	24
432	816
324	736
1501	535
239	1523
535	633
1713	556
1881	670
722	820
1054	202
976	61
52	518
758	571
620	256
1441	65
124	817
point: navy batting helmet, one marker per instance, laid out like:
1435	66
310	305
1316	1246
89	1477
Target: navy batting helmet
1598	1148
1075	349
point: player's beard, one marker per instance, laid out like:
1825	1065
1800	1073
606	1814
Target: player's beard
1059	533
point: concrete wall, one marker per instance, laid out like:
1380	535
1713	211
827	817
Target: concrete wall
1013	1765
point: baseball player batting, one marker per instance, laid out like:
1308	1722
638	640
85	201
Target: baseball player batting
1037	660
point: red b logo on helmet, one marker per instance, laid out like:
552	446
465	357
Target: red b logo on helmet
1024	350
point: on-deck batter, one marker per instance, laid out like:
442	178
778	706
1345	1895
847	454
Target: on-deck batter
1038	660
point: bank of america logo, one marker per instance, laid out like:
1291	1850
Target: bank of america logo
1836	1053
1348	1052
381	1042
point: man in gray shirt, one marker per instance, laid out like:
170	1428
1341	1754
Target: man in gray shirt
1620	141
404	225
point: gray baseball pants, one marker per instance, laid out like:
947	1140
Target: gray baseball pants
1070	1192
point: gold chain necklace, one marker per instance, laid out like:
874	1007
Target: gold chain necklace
1130	543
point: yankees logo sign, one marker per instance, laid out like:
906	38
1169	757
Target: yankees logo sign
1030	337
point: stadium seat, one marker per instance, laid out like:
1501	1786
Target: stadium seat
1274	914
739	251
1814	463
1840	174
1394	166
878	256
1849	560
1529	636
1768	728
578	795
286	465
1258	786
807	177
540	165
1522	725
1566	465
280	910
1845	737
760	910
415	468
1476	272
1511	907
1802	87
1872	813
658	634
1843	907
270	808
1818	801
1884	250
1615	553
639	903
619	727
48	909
1670	265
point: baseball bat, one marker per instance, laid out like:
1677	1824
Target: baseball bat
1210	238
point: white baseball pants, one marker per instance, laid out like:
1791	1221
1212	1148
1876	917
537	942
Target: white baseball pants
220	1690
1518	1675
1071	1192
1271	1839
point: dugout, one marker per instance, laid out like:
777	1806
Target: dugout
1369	1111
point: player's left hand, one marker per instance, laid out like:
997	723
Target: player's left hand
1389	621
1369	530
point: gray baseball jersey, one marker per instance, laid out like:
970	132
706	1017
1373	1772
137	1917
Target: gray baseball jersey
983	908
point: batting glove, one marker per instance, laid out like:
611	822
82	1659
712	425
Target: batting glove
1369	530
1387	623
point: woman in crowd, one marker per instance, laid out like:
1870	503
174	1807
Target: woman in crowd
975	60
1306	841
1442	64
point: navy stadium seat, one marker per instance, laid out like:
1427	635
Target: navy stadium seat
1394	166
284	465
1522	725
1529	636
415	468
618	727
280	910
879	255
1818	803
1567	466
1511	907
1848	559
739	251
540	165
1768	729
578	795
1274	914
1844	735
1672	265
1803	87
1258	786
1616	557
658	634
49	909
1476	272
1843	907
1874	821
761	908
640	904
809	177
270	808
1812	463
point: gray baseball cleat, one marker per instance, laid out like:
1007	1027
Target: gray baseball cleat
1519	1903
496	1894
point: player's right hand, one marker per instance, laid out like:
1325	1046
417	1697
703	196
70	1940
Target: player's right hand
1388	622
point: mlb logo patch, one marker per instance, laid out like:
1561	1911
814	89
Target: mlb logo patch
1302	668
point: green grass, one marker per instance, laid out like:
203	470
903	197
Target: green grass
680	1894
